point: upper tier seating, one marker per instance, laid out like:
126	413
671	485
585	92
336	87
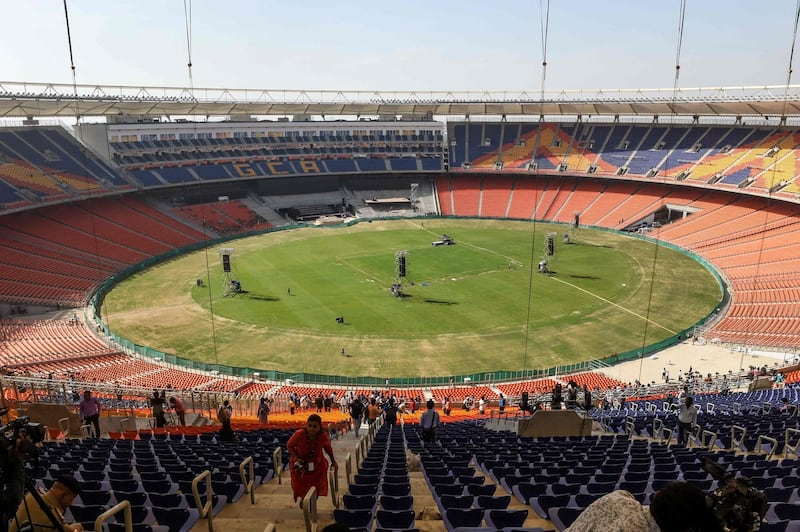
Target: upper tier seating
760	159
48	164
174	161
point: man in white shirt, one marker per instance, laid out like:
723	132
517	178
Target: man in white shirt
687	416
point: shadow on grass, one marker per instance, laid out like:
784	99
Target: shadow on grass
258	297
440	302
590	277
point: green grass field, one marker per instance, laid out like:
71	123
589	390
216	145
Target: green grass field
470	307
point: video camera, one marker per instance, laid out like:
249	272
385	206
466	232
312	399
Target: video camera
21	426
736	504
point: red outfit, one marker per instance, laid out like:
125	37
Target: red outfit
310	451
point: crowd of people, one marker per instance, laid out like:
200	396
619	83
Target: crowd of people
365	408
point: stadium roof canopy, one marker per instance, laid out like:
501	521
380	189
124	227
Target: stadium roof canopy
23	99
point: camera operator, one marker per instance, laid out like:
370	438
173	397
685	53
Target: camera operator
12	467
48	512
677	507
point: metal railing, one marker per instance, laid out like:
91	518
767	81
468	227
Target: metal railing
247	482
309	505
333	484
204	509
762	441
277	463
124	506
788	447
738	434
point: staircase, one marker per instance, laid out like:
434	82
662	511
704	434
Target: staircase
274	504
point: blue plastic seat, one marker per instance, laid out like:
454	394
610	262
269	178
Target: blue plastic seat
159	486
363	489
787	511
86	514
120	475
395	520
169	500
395	490
178	520
462	517
92	498
503	519
456	501
448	489
136	498
125	485
353	518
358	502
366	479
139	514
524	491
489	502
543	503
396	503
562	517
582	500
481	489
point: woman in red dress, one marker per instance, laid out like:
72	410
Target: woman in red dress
309	466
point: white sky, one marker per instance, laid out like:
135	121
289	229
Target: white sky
400	45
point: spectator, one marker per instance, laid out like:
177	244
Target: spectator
177	404
785	405
224	414
683	394
373	411
319	402
263	411
390	413
306	460
89	409
677	507
157	404
587	398
57	499
725	387
572	394
356	413
429	421
687	416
